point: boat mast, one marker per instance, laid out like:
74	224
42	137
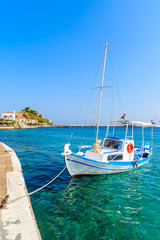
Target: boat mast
99	108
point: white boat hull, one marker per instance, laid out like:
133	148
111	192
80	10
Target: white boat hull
80	166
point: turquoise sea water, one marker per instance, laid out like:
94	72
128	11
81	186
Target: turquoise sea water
120	206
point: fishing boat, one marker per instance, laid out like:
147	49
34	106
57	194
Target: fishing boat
115	154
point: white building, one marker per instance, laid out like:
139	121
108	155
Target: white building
8	115
33	121
21	119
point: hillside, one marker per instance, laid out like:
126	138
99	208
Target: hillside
28	113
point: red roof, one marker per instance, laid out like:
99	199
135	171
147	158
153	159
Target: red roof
9	112
4	121
32	119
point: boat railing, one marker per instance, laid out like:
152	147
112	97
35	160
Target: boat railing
85	146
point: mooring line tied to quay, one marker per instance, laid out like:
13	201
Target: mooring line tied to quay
4	202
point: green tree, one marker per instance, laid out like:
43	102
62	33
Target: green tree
25	115
33	112
31	115
27	109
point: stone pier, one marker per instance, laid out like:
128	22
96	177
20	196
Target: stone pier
17	220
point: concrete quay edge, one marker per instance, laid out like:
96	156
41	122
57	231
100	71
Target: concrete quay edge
17	220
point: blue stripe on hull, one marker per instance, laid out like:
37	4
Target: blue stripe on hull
142	162
129	163
97	166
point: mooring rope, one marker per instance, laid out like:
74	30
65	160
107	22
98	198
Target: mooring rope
39	189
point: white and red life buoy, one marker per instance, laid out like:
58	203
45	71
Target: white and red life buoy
130	148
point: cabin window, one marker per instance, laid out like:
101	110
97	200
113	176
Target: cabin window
116	157
112	143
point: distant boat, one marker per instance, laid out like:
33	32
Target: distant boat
115	155
152	121
64	126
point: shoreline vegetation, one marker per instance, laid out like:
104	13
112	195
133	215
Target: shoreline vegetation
25	118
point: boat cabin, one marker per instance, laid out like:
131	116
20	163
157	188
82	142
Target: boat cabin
118	149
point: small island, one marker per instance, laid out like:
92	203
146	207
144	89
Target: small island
25	118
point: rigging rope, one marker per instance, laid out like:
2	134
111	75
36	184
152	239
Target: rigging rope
115	81
92	82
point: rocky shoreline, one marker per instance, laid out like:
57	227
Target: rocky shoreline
27	127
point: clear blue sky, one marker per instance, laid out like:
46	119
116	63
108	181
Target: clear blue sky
50	50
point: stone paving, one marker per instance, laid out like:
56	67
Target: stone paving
5	166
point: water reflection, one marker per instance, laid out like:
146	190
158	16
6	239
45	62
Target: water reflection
96	206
